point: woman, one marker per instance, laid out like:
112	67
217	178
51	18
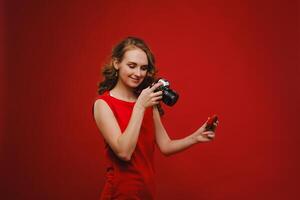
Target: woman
127	113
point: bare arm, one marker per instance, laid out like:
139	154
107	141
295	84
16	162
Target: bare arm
168	146
123	144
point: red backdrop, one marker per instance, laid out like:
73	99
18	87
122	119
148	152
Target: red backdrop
239	59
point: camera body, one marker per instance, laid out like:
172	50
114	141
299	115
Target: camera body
169	97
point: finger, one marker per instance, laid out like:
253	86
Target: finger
208	133
211	136
158	93
155	102
155	86
207	137
157	98
204	126
146	89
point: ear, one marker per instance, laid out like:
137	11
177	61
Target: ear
116	64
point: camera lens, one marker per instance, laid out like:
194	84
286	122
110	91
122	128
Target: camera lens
169	96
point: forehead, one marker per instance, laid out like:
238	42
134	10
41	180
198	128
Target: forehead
136	55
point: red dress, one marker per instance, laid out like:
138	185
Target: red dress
132	179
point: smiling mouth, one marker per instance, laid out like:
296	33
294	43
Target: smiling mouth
136	80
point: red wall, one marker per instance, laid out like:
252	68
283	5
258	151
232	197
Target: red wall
239	59
2	72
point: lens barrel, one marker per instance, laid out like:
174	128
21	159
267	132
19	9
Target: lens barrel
169	96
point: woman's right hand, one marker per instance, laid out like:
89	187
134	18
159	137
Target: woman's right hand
148	97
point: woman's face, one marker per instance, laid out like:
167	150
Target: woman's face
132	68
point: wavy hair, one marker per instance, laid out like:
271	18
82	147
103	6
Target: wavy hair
110	73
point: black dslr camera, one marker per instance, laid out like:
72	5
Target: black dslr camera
169	97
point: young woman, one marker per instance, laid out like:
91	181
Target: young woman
127	113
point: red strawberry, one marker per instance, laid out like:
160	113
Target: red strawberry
210	123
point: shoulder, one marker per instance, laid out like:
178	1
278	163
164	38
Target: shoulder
102	109
102	102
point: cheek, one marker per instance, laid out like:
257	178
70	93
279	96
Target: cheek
144	73
126	71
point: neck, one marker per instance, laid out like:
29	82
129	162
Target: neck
123	92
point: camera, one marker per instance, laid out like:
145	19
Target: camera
169	97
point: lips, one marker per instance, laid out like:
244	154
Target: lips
135	80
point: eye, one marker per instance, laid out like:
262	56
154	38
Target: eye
130	65
144	68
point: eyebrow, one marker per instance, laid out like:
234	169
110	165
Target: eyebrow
131	62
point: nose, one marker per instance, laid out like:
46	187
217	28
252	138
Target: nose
137	72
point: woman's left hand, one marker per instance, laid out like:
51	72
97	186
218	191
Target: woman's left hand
204	135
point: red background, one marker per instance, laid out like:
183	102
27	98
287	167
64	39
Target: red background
239	59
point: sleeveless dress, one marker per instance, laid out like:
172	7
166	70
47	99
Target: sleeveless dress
134	179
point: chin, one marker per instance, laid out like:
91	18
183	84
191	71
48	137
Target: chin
133	85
